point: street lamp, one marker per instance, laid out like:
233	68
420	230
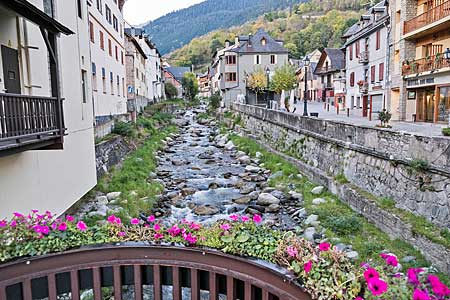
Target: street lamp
267	87
447	55
306	62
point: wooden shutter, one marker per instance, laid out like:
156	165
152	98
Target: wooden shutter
372	74
350	50
381	72
91	31
378	39
352	79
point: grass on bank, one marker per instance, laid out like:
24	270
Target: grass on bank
340	222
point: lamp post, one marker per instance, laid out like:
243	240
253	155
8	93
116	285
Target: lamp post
447	55
267	86
306	62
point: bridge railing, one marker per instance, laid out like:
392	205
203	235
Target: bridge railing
141	271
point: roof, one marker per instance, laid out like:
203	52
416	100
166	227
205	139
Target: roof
337	61
136	44
178	72
35	15
253	44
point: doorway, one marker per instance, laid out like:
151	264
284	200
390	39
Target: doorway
425	105
365	103
11	75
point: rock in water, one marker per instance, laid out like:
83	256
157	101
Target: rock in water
266	199
206	210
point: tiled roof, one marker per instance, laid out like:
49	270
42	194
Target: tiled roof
178	72
254	44
337	57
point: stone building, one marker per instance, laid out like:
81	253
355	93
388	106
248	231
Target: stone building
45	87
420	56
366	44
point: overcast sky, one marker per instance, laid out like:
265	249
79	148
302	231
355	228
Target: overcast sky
137	12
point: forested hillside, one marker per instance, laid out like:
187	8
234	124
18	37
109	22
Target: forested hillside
303	26
176	29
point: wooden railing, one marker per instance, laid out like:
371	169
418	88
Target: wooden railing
428	64
433	15
25	120
141	271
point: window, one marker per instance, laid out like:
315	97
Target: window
100	6
111	79
109	47
102	41
352	79
263	41
372	74
94	77
118	86
91	31
357	50
273	59
108	14
381	72
137	73
80	9
117	53
84	86
123	86
230	60
121	55
378	41
48	7
104	80
257	59
230	77
115	23
350	51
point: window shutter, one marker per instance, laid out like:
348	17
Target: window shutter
381	72
94	69
378	39
111	76
350	50
372	74
103	73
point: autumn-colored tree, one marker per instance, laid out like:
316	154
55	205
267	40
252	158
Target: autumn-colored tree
190	86
257	81
284	79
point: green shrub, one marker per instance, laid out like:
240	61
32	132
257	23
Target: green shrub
124	129
446	131
344	224
146	123
214	101
171	90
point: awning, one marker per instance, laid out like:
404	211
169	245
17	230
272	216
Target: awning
35	15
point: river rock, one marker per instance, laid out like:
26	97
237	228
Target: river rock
252	169
352	255
113	195
244	159
296	196
276	175
206	210
152	175
309	233
272	208
253	195
173	195
247	188
317	190
242	200
188	191
178	162
230	145
318	201
258	155
101	200
266	199
311	219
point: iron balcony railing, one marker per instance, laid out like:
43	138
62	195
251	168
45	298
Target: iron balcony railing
428	64
364	88
363	57
142	271
432	15
29	121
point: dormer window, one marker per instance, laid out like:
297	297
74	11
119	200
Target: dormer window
263	41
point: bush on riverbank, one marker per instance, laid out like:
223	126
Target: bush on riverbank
324	271
446	131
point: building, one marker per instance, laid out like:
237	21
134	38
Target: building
204	87
366	44
174	75
420	60
154	70
313	81
234	64
106	29
136	77
331	72
46	119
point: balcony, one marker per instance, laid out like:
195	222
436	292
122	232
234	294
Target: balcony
432	16
364	87
429	64
29	123
363	57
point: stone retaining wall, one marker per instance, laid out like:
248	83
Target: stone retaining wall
375	160
109	153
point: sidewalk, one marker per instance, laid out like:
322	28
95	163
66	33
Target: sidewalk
424	129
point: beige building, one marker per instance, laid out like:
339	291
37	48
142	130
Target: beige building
46	120
313	81
420	60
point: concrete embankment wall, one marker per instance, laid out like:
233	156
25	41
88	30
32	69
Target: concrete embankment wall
377	161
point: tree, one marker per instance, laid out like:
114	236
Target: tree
284	79
190	85
171	90
257	81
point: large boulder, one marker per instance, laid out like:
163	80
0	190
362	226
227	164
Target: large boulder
266	199
318	190
206	210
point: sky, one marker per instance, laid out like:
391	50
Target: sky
137	12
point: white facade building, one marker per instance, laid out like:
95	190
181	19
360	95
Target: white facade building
40	156
106	29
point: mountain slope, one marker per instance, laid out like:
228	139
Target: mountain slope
178	28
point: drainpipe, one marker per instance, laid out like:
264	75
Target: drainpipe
388	66
24	48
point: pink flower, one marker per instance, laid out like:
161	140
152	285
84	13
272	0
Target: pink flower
420	295
62	226
384	256
156	227
191	239
195	226
13	223
438	287
151	219
307	267
18	215
134	221
158	236
370	274
3	223
174	230
81	226
70	218
121	234
45	230
391	260
234	218
292	251
225	227
111	219
324	246
412	275
377	286
257	219
245	219
359	298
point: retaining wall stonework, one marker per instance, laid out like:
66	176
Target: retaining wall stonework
376	160
110	153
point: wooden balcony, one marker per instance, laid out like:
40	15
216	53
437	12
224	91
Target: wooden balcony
431	16
429	64
29	123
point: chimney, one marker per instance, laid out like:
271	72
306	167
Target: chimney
236	40
250	40
227	43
